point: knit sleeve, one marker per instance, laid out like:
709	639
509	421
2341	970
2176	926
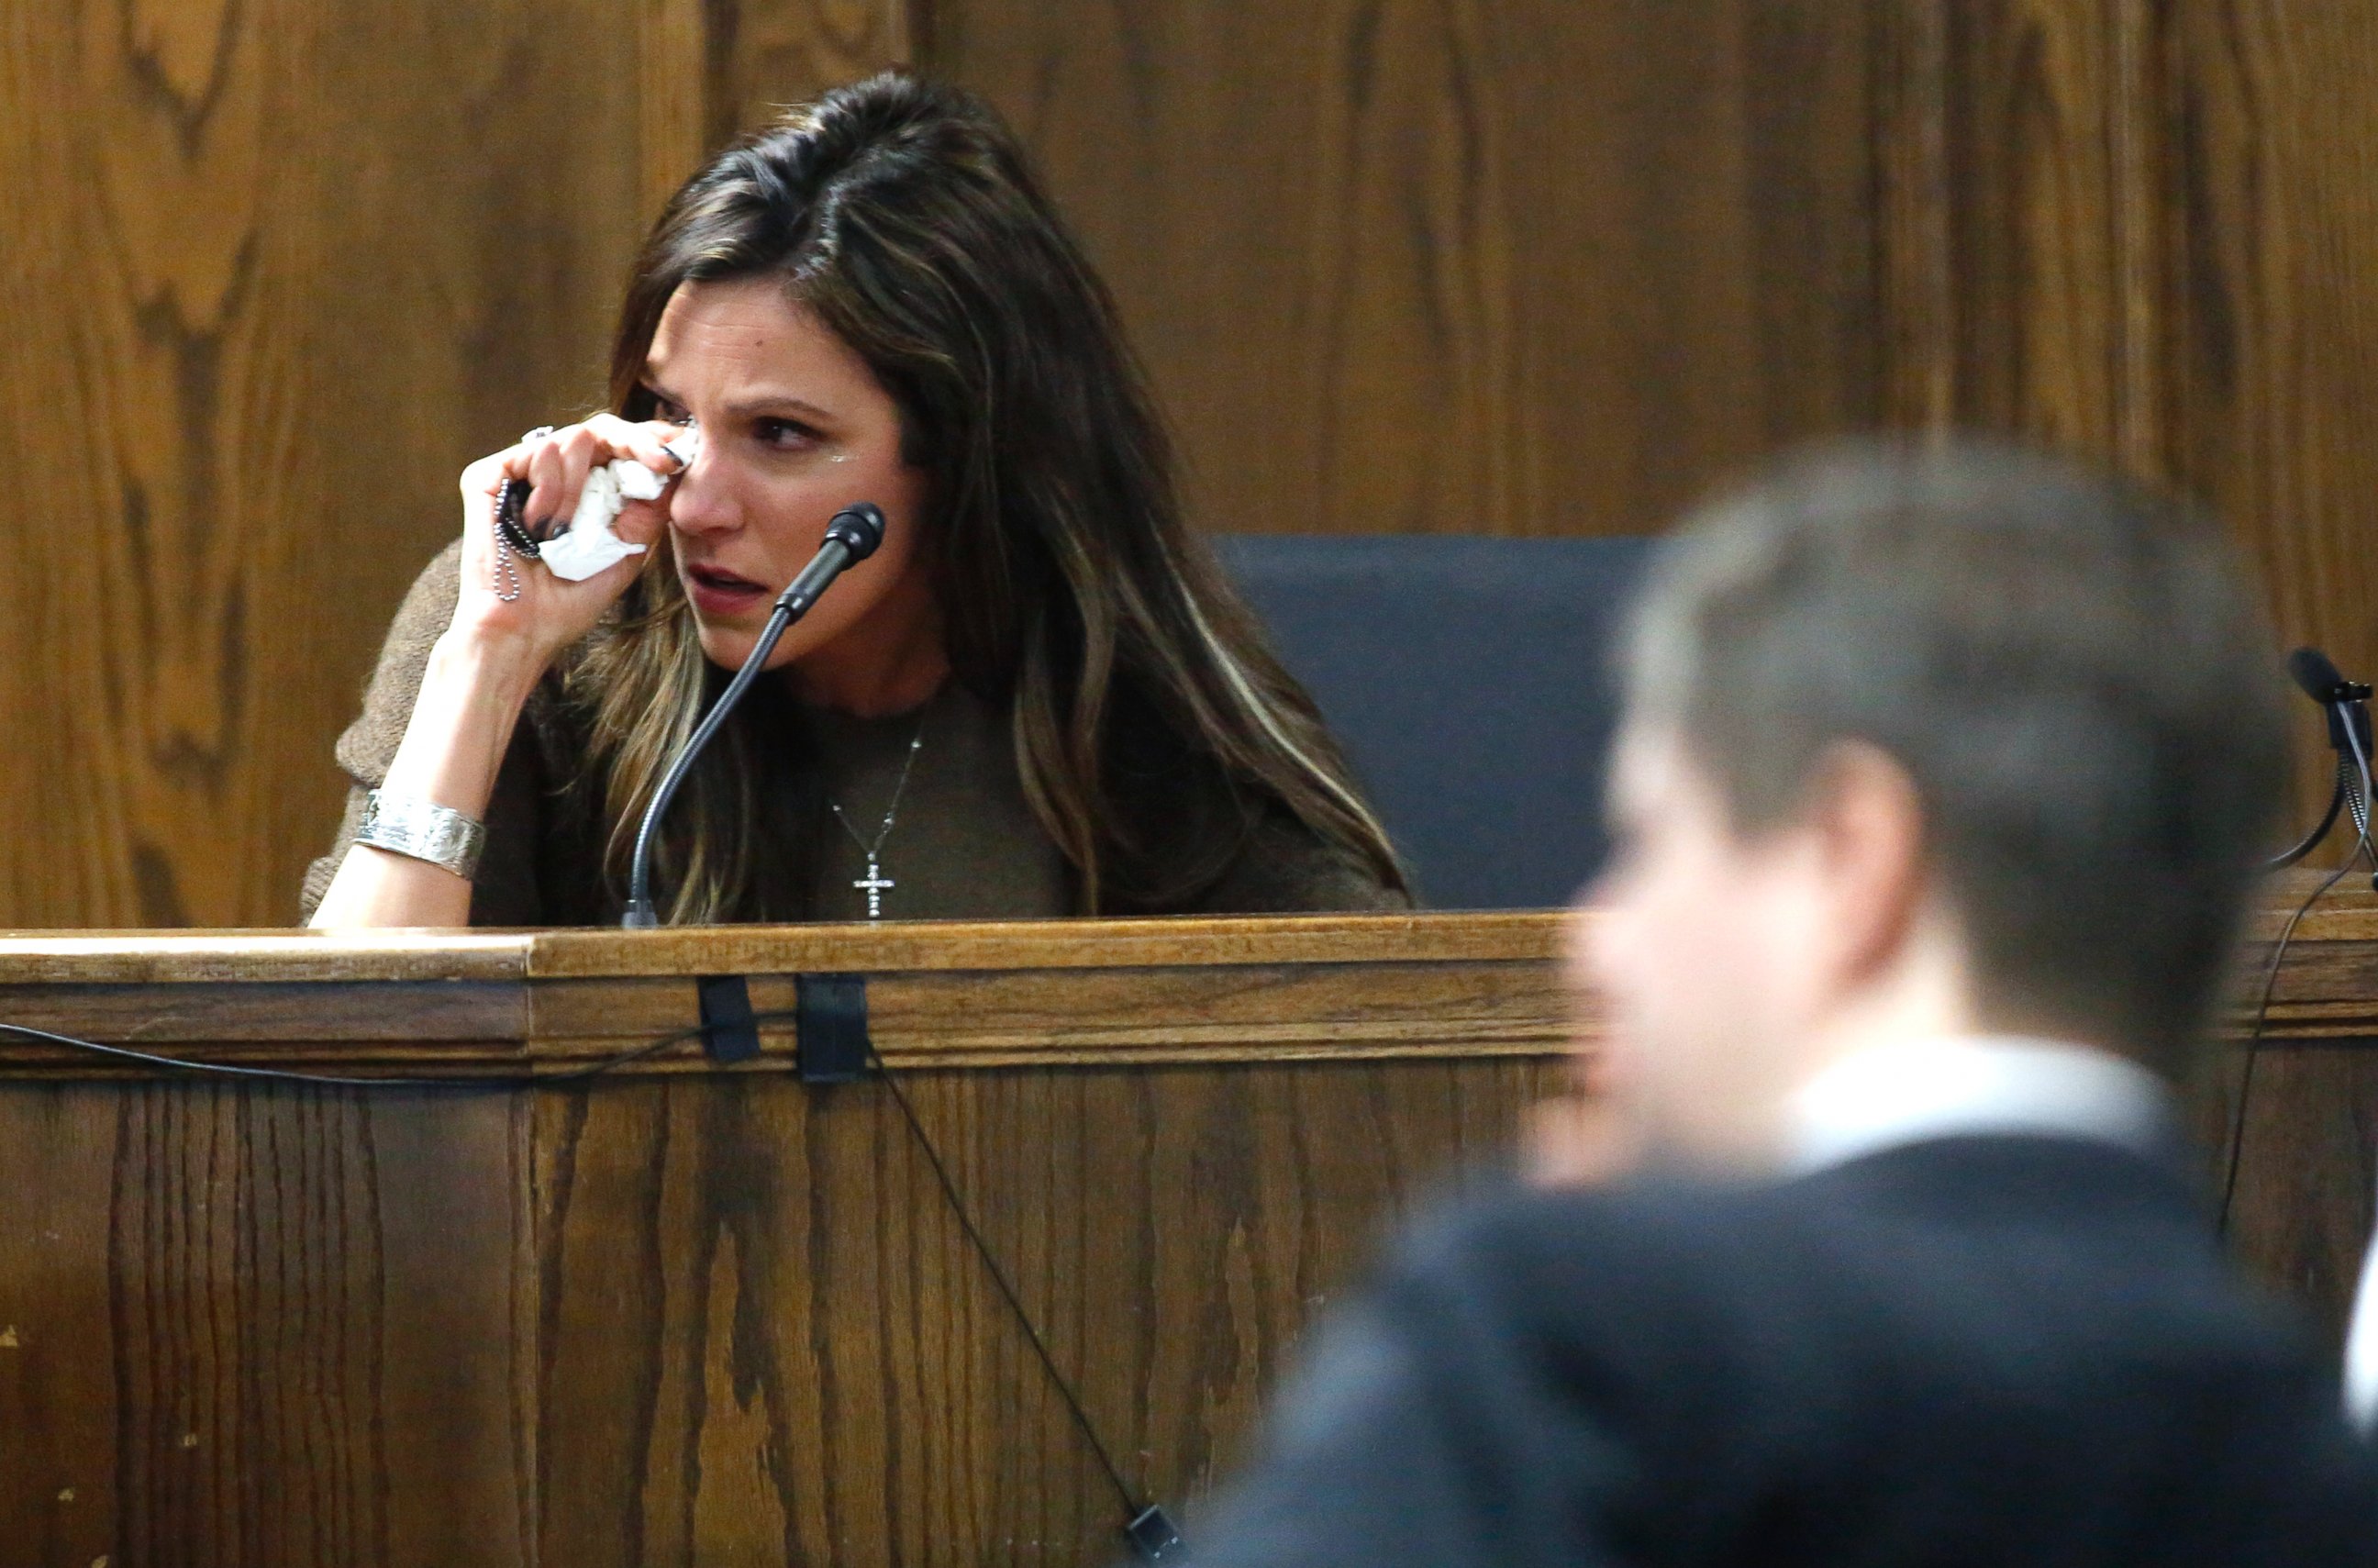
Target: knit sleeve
1284	867
505	891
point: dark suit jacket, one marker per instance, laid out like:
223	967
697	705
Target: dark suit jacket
2000	1350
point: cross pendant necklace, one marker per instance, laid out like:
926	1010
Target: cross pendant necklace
875	884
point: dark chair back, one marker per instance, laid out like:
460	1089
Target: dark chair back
1470	681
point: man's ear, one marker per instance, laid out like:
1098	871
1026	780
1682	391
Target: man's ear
1867	819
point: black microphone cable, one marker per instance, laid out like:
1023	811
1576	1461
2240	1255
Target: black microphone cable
2339	792
2342	700
483	1083
2254	1035
1147	1528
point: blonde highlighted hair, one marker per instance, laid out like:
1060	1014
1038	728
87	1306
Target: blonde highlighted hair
1153	729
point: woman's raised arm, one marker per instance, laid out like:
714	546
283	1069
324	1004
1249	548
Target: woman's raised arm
512	619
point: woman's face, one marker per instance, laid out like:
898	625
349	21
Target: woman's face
793	428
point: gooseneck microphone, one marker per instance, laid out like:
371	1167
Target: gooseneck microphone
851	538
2346	704
2342	698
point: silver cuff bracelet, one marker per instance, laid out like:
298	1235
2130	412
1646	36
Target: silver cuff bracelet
439	835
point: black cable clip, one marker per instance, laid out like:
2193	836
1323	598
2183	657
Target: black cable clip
730	1032
1151	1533
830	1018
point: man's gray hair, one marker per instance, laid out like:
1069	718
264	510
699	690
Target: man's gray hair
2070	669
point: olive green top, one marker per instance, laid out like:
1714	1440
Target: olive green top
963	842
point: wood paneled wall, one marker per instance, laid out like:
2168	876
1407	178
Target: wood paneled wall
269	273
1500	266
275	271
2149	233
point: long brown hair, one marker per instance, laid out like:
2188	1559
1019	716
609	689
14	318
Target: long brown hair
1153	729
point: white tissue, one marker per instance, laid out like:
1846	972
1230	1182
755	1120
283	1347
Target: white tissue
590	546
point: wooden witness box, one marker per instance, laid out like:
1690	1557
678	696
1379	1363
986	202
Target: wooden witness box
695	1312
698	1313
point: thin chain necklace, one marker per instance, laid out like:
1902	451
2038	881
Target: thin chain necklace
874	884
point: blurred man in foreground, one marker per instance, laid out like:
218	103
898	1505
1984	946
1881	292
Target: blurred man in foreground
1937	799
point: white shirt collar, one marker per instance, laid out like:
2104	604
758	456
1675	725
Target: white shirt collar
1974	1084
2361	1346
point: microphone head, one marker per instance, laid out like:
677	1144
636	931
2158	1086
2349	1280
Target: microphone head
859	527
2319	679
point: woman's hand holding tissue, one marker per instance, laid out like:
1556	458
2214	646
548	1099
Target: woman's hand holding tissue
512	616
524	612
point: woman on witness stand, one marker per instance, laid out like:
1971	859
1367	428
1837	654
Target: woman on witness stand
1037	697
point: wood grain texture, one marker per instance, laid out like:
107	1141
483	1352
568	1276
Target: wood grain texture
252	957
407	1011
2272	240
941	993
812	1364
1054	943
276	271
2302	1214
1151	1016
1531	267
673	95
704	1315
1915	208
707	1316
2146	232
250	1328
2020	236
1071	994
765	56
261	957
2141	233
